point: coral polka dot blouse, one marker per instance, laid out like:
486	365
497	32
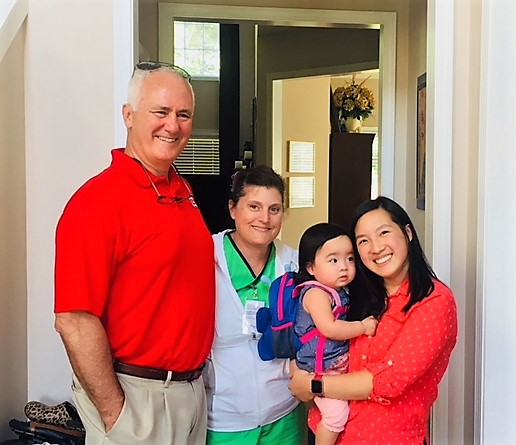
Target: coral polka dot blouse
408	356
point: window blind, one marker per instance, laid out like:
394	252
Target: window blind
200	157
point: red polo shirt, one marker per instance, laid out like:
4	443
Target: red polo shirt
408	357
145	269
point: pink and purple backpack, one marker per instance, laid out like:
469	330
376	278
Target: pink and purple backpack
276	322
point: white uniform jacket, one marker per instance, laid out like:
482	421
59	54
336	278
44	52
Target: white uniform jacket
243	391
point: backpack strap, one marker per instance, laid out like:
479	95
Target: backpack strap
286	280
333	293
310	335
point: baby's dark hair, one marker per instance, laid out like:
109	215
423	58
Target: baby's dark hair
261	176
311	241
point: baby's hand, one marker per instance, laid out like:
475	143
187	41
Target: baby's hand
370	324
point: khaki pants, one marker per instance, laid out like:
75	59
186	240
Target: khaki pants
153	414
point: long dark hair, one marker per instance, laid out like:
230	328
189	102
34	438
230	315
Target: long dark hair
420	273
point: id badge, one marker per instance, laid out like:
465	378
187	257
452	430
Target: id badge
249	320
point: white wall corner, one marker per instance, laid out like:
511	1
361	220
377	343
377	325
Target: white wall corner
12	15
79	58
496	334
125	50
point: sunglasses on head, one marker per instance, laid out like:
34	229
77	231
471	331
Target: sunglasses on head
151	66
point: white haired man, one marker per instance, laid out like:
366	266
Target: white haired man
134	279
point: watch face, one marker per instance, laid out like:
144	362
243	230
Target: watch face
317	386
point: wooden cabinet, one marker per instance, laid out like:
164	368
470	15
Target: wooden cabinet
349	179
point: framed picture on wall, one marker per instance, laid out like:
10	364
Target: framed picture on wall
301	192
301	157
421	143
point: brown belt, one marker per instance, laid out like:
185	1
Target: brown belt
157	374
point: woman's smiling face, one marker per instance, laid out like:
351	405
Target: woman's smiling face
383	247
258	215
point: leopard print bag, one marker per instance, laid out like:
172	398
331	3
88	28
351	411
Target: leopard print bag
63	415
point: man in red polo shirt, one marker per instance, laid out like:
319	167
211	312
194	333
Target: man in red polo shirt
134	279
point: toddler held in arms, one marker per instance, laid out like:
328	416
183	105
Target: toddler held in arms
326	268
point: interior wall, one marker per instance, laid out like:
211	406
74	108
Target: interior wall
247	89
148	11
454	197
466	88
13	241
416	67
70	121
206	106
464	230
292	50
306	118
496	235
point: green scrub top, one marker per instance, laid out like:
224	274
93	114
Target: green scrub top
247	285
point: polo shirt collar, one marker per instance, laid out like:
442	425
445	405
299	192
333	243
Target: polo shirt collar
134	168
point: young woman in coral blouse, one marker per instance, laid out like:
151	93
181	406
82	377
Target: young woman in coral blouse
393	376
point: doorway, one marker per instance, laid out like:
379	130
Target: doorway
279	17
